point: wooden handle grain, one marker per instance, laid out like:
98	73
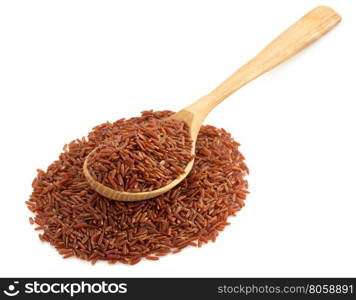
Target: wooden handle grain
305	31
302	33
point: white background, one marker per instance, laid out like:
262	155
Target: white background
66	66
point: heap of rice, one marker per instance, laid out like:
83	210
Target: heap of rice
79	222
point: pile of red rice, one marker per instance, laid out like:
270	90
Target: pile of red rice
79	222
142	157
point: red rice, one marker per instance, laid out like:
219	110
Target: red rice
78	221
142	157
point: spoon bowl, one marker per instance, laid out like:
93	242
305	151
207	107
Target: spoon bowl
309	28
130	196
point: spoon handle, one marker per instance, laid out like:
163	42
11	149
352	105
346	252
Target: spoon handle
302	33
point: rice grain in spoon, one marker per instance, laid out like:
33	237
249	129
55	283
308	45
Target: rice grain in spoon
305	31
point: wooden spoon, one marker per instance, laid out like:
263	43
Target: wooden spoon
305	31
